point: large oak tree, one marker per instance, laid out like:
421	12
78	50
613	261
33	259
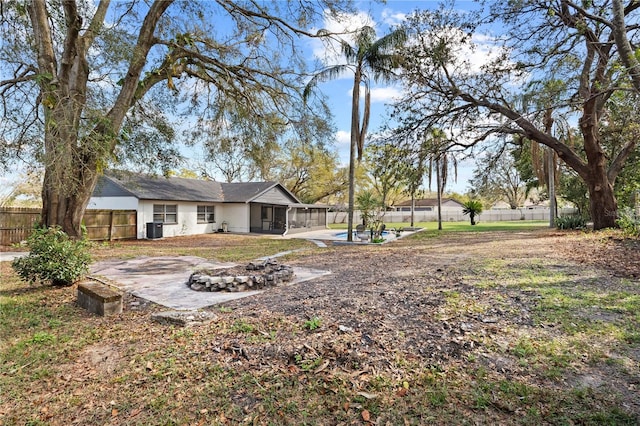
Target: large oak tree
76	74
476	83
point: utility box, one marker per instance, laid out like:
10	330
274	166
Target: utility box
154	230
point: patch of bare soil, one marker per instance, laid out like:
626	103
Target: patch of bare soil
430	303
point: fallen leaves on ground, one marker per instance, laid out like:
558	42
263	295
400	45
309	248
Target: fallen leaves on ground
406	330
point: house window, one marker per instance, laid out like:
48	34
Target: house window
205	214
165	213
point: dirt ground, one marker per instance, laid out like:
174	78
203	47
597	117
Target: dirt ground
395	298
457	303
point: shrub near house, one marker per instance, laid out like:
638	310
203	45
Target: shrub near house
53	258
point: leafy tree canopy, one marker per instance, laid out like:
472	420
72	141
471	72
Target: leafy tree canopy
85	83
550	60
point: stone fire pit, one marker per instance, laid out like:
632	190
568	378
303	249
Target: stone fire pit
254	276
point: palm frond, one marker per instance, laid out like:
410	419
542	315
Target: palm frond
382	57
327	74
350	53
390	42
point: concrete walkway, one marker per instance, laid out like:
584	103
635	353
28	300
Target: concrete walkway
8	256
162	280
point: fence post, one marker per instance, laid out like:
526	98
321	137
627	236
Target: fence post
111	226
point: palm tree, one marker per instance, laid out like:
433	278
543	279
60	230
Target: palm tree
472	208
441	160
369	58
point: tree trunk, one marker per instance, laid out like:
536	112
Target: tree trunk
67	209
355	138
72	161
413	206
602	202
439	190
352	180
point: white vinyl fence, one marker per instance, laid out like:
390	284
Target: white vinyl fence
455	215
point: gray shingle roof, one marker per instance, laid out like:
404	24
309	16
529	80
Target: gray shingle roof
241	192
147	187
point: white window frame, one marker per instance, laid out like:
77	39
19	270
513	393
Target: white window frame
208	215
165	213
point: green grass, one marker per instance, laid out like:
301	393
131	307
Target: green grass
224	248
584	313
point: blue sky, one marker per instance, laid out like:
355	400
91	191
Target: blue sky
382	17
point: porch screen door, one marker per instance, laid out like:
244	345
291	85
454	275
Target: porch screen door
279	217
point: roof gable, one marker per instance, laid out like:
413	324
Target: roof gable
429	202
245	192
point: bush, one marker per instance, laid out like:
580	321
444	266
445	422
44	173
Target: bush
472	208
53	258
571	222
629	222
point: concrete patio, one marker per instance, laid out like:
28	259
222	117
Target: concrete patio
162	280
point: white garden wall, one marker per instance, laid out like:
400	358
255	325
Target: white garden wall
455	215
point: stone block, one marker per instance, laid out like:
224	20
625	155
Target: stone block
99	298
184	318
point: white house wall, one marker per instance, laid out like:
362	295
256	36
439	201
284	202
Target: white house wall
187	219
236	215
113	203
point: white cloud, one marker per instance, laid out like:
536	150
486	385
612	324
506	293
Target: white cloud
468	54
327	51
393	18
385	94
380	94
485	50
343	137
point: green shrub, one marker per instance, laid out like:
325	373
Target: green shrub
571	222
629	222
53	258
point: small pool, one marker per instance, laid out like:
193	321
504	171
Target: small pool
344	234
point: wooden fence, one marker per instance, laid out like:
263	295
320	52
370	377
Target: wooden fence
16	224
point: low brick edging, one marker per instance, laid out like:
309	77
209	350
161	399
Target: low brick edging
99	298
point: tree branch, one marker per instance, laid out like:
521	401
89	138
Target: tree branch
96	24
28	74
626	52
42	31
73	23
145	41
618	162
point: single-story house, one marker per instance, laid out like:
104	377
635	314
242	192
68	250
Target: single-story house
195	206
428	205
